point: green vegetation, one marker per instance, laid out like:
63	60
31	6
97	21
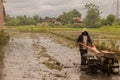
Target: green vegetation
53	65
31	29
21	20
92	18
67	17
114	29
51	62
110	30
43	49
59	75
4	38
110	33
109	20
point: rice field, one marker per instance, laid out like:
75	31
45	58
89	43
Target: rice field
109	34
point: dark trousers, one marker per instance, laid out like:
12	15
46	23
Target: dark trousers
83	58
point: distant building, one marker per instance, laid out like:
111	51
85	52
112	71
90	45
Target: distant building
51	20
56	21
77	20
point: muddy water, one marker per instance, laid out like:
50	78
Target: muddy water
22	63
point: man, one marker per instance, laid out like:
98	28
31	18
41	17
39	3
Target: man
83	41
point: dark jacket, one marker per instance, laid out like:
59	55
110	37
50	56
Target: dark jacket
80	39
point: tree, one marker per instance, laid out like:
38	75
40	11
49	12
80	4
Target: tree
7	19
11	21
19	20
37	18
72	14
110	19
64	18
30	21
67	17
117	21
23	19
93	15
103	22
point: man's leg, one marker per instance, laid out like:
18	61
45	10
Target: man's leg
83	58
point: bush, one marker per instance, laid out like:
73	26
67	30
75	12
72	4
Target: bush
4	38
73	25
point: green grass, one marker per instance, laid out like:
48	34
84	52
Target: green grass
45	28
4	37
110	29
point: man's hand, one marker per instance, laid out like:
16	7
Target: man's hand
91	48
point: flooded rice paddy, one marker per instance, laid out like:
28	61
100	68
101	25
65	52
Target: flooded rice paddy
37	56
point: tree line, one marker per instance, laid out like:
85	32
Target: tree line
92	18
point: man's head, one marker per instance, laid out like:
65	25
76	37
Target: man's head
84	29
85	33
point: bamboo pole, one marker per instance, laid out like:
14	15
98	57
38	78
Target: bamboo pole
1	14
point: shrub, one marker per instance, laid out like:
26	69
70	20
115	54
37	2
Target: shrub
4	38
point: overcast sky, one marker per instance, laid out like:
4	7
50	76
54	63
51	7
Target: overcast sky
54	8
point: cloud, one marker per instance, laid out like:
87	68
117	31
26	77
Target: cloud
53	8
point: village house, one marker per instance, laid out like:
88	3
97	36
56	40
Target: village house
77	20
56	21
1	13
52	20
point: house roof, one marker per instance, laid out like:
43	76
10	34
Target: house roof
78	19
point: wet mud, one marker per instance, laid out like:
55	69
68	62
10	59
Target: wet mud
37	56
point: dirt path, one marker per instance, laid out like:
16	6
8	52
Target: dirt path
39	57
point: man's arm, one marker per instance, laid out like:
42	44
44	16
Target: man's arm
92	48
